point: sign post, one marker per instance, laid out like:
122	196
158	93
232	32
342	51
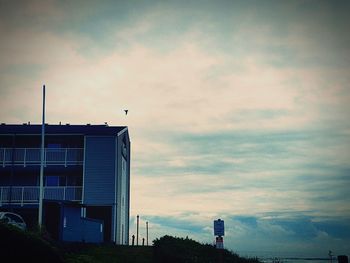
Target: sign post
219	243
219	232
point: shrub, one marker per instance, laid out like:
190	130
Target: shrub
24	246
175	250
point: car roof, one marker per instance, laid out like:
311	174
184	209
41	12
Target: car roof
4	213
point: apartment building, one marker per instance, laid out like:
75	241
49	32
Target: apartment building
86	177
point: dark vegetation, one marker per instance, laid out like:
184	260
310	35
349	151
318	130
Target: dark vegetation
171	249
106	253
25	246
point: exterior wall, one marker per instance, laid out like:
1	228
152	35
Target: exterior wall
128	189
71	225
99	170
123	188
93	230
77	229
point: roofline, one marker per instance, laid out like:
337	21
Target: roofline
122	131
46	134
58	129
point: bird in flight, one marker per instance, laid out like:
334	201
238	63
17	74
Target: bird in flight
126	112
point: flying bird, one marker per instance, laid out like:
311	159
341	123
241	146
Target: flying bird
126	112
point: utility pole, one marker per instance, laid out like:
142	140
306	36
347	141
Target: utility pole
41	188
147	233
137	231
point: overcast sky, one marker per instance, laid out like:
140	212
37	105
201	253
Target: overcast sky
237	109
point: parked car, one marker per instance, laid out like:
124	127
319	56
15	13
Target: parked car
13	219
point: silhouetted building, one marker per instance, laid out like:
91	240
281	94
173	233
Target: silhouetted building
86	179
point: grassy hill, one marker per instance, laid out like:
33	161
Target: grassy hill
172	250
23	246
88	253
167	249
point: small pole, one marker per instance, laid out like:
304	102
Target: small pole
133	240
143	241
147	233
137	231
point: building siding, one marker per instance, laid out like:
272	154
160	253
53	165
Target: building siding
99	170
71	225
77	229
123	189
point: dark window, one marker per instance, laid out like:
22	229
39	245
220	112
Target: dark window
52	181
55	180
54	145
74	181
63	181
6	141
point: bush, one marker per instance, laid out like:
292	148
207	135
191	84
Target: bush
24	246
175	250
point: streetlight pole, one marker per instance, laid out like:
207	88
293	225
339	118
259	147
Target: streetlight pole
137	231
147	233
41	188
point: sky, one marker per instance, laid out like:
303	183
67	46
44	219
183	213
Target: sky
238	110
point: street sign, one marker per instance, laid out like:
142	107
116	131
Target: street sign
219	227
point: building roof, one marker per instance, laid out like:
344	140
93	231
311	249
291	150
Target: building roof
61	129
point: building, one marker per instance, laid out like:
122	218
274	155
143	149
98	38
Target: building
86	177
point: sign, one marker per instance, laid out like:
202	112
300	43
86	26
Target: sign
219	228
219	242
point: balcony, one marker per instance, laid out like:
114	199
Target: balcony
30	194
32	156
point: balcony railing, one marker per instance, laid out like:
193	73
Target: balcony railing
30	194
32	156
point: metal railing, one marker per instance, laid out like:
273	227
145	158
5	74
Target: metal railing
31	156
30	194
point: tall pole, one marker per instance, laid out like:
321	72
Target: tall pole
41	189
147	233
137	231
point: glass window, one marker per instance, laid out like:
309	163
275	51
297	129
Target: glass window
74	181
14	218
52	181
54	145
63	181
55	180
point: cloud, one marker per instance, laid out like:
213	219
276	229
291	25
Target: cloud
244	172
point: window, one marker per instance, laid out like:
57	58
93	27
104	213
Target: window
55	180
52	181
74	181
54	145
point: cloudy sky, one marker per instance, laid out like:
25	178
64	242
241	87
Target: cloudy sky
237	109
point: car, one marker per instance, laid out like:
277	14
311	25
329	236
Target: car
13	219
